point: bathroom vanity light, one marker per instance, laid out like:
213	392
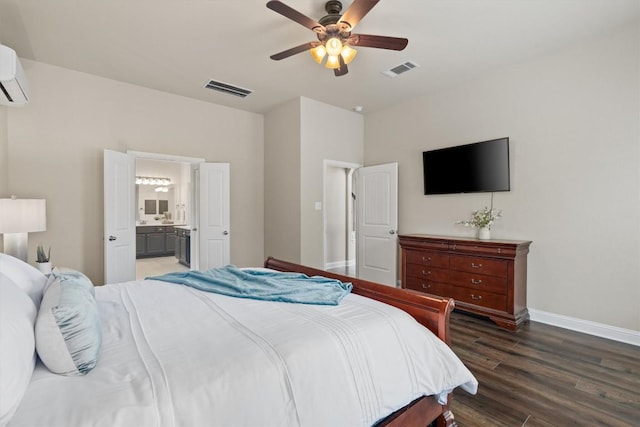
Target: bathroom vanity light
152	180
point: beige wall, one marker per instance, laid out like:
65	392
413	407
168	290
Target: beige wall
282	182
327	133
574	123
55	149
4	159
299	136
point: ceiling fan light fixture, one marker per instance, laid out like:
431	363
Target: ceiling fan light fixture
318	53
334	33
332	62
333	46
348	53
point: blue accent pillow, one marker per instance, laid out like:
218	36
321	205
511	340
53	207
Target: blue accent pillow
68	328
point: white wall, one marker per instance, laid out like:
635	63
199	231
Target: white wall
148	192
55	149
337	235
574	123
158	169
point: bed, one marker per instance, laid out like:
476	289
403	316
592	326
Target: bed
154	353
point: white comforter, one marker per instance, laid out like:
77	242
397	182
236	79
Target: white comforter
175	356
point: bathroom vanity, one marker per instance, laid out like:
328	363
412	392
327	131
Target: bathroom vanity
155	240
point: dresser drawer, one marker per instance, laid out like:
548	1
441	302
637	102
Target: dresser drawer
470	296
479	282
428	286
427	272
487	266
481	298
487	277
484	249
429	258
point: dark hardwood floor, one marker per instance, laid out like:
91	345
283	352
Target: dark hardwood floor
544	376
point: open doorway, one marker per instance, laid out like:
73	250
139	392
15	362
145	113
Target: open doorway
339	217
208	221
361	220
163	206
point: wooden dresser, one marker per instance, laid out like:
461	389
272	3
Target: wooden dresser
486	277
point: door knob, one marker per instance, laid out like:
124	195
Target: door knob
112	238
225	232
392	231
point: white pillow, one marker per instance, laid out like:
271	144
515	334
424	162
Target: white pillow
27	277
68	329
17	346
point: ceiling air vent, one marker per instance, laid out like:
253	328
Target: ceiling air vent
399	69
227	88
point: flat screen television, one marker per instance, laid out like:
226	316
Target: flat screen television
470	168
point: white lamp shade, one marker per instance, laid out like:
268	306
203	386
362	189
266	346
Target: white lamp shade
22	215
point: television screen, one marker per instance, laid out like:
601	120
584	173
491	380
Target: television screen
471	168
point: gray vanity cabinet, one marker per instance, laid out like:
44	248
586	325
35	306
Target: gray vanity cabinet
141	244
155	241
183	246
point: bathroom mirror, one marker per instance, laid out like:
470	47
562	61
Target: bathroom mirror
163	206
150	207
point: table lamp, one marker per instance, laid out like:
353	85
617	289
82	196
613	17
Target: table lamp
17	218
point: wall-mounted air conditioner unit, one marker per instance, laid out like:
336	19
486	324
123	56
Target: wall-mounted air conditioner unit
14	89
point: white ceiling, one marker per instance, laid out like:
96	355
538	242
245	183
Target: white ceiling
177	46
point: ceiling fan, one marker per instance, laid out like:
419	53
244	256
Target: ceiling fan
335	39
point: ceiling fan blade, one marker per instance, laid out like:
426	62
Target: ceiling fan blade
380	42
357	10
294	15
294	50
342	69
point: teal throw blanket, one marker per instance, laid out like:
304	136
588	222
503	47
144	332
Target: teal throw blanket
263	285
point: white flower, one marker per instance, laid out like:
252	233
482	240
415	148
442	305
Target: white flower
481	218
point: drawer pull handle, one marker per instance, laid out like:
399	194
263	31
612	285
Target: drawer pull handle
426	258
426	273
476	297
426	286
476	282
474	265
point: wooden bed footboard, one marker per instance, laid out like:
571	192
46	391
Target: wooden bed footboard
431	311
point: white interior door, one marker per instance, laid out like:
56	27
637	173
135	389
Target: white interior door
119	217
211	235
377	223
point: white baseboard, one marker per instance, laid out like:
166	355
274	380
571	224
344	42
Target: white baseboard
592	328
